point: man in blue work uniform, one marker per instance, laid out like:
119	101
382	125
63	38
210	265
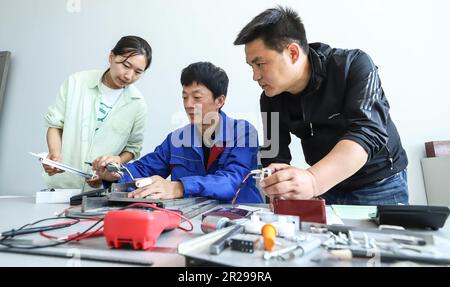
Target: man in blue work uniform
210	157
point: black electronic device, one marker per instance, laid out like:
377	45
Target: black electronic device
231	213
77	199
245	242
413	216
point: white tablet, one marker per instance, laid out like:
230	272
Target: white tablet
43	158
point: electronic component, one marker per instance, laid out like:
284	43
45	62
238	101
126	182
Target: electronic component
114	167
229	212
257	174
245	242
212	223
78	198
415	216
137	227
117	168
254	225
286	225
261	173
270	217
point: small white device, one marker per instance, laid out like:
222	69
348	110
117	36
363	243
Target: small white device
143	182
261	173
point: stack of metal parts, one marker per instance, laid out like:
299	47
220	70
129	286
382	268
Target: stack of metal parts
239	242
117	197
381	246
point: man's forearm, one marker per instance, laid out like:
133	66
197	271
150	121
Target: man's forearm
344	160
54	140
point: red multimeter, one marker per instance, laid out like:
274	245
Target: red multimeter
137	227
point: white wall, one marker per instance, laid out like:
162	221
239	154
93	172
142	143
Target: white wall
408	40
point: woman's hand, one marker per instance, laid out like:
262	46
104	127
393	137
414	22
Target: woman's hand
50	170
94	182
99	166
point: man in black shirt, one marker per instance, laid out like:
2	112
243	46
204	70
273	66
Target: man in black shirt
333	101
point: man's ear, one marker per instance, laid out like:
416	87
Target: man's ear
294	51
220	101
111	58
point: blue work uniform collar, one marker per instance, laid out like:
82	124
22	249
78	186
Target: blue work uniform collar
223	135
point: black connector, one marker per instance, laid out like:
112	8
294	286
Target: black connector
14	232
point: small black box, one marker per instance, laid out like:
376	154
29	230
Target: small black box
414	216
245	242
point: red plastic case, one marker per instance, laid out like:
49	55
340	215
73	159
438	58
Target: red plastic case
311	210
139	228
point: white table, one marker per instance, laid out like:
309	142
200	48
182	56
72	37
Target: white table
15	212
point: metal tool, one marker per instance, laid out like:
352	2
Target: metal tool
118	168
212	223
114	167
44	160
223	242
388	257
98	206
305	247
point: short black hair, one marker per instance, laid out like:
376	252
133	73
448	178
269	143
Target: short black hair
277	27
205	73
135	46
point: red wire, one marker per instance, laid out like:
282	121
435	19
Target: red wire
233	202
87	235
98	232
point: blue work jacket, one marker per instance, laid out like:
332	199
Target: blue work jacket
232	156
